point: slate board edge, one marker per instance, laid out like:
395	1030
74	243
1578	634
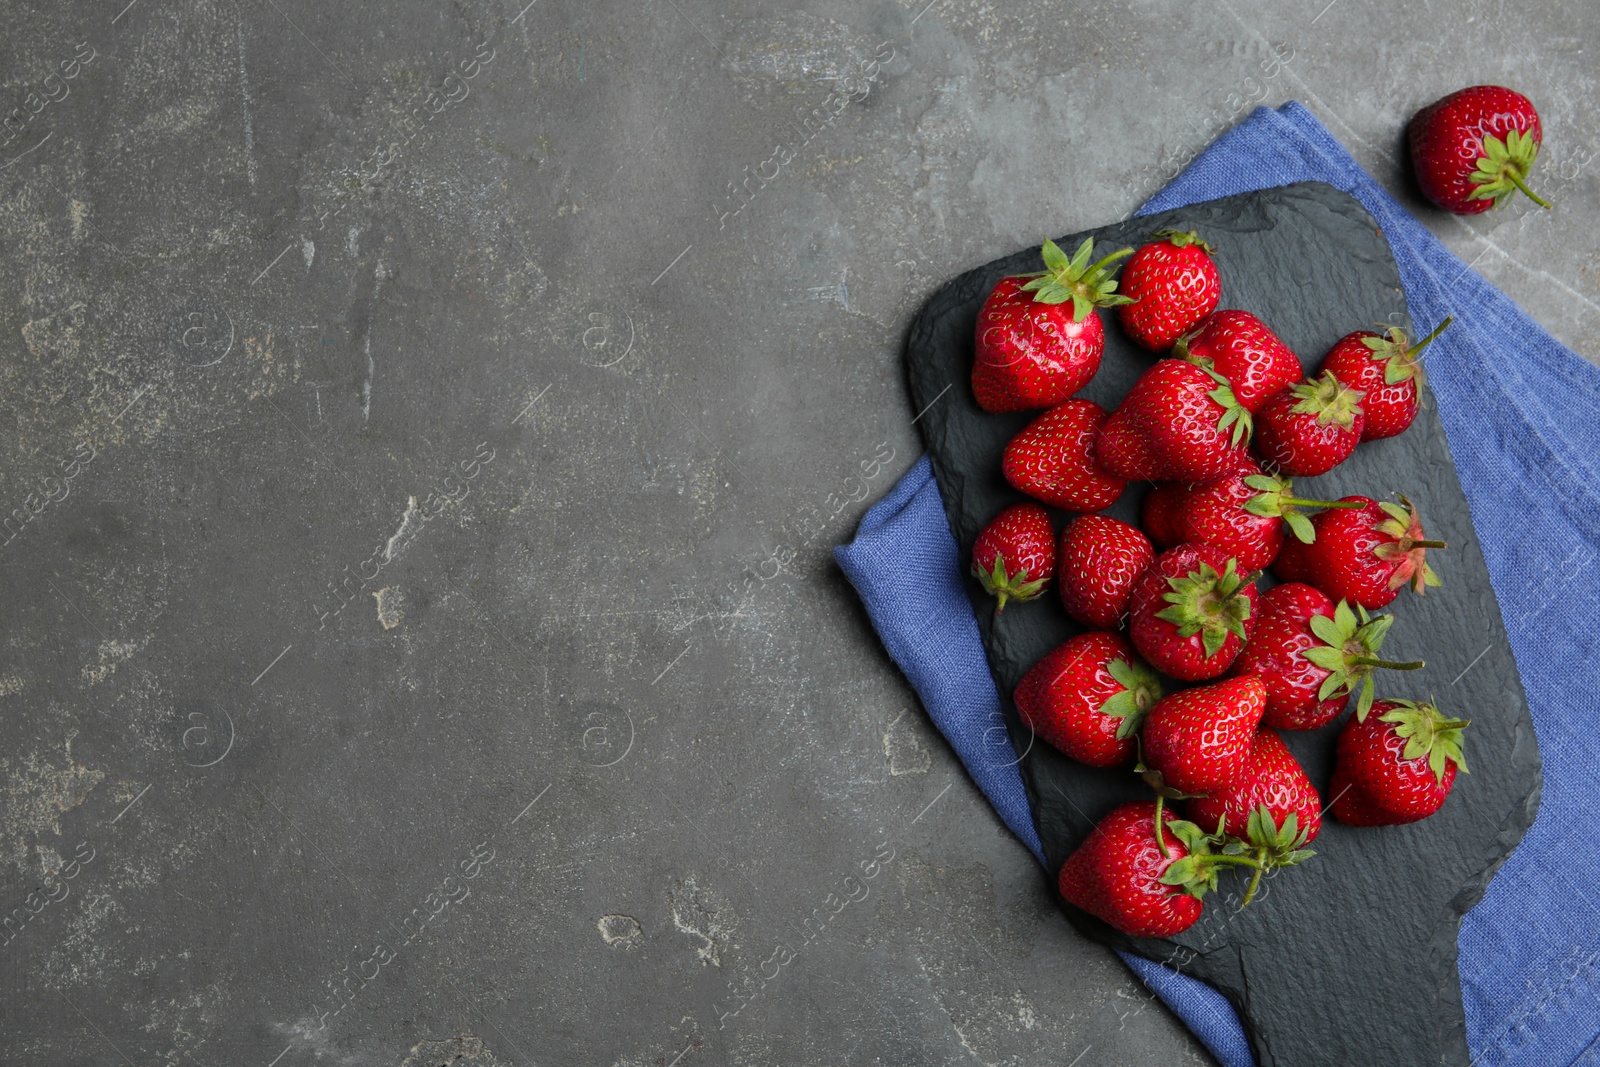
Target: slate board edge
1519	818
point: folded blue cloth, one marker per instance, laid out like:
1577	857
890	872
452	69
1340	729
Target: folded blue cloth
1522	413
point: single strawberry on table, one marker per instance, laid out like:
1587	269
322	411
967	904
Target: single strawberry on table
1313	654
1015	556
1244	350
1272	814
1097	561
1197	741
1053	459
1191	612
1174	284
1143	886
1088	697
1310	428
1038	339
1473	149
1396	766
1245	514
1179	423
1387	369
1363	554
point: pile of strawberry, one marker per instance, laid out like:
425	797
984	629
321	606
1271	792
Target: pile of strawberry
1221	422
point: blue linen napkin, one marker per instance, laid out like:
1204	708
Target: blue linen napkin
1522	414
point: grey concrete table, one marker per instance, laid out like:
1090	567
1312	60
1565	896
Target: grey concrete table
426	425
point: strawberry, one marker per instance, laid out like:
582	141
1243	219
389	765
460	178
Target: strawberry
1242	349
1273	779
1474	148
1015	555
1161	513
1174	284
1273	814
1363	555
1388	372
1038	340
1215	515
1143	886
1244	514
1088	697
1312	655
1191	612
1178	423
1099	558
1310	428
1053	459
1397	765
1197	741
1219	515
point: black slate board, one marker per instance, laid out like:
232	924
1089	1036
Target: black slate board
1349	959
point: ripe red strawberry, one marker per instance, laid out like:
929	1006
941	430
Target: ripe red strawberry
1273	814
1099	559
1242	349
1143	887
1178	423
1174	284
1387	370
1088	698
1197	741
1015	555
1474	148
1053	459
1313	655
1244	514
1273	779
1397	765
1038	339
1215	515
1363	555
1191	612
1310	428
1161	513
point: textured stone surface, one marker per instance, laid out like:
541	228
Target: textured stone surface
634	607
1376	910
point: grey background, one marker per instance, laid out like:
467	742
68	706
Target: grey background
627	677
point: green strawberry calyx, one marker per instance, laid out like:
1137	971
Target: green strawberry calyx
1004	586
1209	604
1235	420
1274	501
1196	873
1503	167
1329	399
1183	239
1087	285
1349	652
1180	350
1407	545
1400	358
1140	691
1428	734
1270	844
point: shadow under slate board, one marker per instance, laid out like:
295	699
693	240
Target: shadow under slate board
1350	958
